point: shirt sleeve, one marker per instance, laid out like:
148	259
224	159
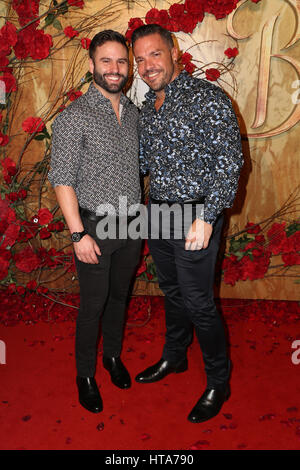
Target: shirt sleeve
222	136
67	138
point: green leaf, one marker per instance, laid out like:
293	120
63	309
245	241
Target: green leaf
40	137
49	19
293	228
57	24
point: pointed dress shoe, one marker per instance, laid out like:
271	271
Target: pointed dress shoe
209	404
118	373
89	395
160	370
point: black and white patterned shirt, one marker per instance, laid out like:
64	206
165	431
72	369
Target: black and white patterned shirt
94	154
191	146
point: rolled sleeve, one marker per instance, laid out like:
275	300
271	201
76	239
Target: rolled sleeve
223	137
66	150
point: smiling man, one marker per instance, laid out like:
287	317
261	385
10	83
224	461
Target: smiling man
94	162
190	145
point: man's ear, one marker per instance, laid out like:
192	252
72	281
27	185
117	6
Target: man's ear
91	66
174	54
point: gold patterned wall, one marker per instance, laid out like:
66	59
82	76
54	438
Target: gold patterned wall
264	85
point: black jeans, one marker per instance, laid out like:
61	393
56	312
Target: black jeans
186	278
104	291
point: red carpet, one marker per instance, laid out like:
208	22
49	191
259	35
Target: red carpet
38	396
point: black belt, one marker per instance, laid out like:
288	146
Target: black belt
96	218
199	200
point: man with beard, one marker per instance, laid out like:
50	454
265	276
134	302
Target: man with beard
94	162
190	145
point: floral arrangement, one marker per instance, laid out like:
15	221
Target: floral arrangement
35	248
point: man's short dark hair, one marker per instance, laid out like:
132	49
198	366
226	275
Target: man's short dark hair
105	36
148	29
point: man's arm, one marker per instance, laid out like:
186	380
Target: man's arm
86	249
65	161
223	139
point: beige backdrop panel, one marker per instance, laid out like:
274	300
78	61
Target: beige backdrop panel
271	170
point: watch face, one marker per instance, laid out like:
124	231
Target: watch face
76	237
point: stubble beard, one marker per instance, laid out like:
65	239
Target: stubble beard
111	88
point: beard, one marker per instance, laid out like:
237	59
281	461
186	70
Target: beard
110	87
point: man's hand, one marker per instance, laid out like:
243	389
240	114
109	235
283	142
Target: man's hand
198	235
87	250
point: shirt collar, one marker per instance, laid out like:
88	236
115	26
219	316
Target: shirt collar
96	98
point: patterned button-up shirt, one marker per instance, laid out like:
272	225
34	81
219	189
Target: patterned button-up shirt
191	146
96	155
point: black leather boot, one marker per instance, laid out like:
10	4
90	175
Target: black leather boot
160	370
89	395
118	373
209	404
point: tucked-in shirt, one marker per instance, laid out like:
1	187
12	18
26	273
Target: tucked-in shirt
96	155
191	146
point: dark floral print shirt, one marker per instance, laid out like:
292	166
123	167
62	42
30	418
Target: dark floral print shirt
191	146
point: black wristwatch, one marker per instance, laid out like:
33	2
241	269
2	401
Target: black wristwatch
77	236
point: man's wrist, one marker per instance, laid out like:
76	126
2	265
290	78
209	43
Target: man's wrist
77	236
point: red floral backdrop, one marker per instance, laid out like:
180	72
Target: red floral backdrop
35	250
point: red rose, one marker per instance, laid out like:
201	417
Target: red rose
219	8
73	94
164	19
6	212
3	139
40	45
277	238
9	169
185	58
9	82
176	10
13	196
33	124
153	16
194	8
27	260
31	285
8	33
231	270
142	268
133	24
252	228
85	42
70	32
231	52
188	23
20	290
44	233
5	256
255	1
212	74
44	216
22	194
3	63
76	3
189	67
291	259
27	10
